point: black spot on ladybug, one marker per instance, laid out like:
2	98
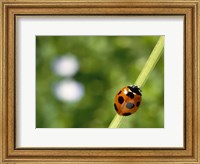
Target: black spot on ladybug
115	107
126	114
130	105
138	103
120	99
135	89
119	92
130	94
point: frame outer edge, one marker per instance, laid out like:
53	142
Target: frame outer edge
3	116
198	79
106	1
1	79
195	81
4	84
196	74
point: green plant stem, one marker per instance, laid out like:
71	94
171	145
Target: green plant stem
142	78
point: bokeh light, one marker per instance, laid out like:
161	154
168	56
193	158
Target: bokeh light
66	65
69	91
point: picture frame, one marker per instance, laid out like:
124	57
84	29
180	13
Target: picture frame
13	8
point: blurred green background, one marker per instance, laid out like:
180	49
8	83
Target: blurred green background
77	78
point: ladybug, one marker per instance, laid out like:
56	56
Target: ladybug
128	100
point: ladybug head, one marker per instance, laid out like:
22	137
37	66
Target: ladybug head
135	89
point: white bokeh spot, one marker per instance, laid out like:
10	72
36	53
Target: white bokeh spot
66	65
69	91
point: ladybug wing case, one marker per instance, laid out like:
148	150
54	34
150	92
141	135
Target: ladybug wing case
127	102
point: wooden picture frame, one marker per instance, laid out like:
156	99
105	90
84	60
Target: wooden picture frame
12	8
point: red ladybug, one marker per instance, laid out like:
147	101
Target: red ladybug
128	100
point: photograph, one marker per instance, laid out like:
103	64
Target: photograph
84	81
